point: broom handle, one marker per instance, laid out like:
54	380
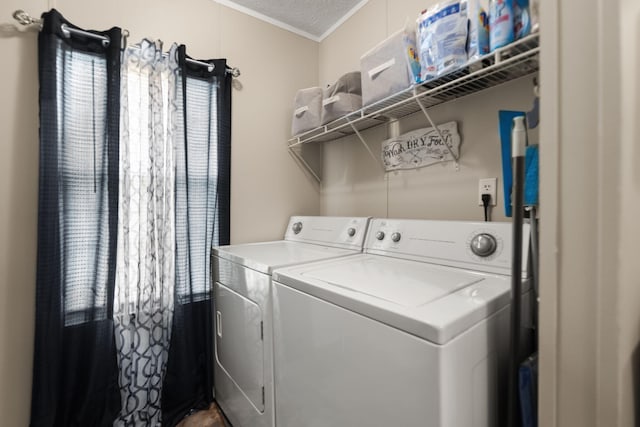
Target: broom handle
519	138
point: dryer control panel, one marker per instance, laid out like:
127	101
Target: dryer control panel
484	246
341	232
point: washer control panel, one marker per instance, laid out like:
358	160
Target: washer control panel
479	245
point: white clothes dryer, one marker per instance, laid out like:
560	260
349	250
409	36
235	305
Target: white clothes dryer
242	305
413	332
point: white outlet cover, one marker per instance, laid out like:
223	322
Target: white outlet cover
488	186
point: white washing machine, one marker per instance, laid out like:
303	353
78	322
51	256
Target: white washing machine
413	332
242	305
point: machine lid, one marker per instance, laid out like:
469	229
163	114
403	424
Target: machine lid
408	284
266	256
431	301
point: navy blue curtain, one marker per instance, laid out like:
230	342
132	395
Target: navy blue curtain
75	380
75	373
203	181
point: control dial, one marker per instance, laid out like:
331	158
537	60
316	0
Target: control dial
297	227
396	237
483	244
351	231
380	235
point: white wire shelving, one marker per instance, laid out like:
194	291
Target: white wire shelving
515	60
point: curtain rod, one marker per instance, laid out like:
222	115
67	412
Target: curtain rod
67	31
25	19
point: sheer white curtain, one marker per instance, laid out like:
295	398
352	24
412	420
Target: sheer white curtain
145	272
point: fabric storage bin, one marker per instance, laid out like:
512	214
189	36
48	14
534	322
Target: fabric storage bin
342	97
307	110
389	67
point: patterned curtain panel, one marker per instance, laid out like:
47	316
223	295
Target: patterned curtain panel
143	309
202	221
75	381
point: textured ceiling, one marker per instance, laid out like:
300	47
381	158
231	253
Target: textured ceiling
314	19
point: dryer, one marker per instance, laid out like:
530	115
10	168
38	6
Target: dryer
413	332
243	376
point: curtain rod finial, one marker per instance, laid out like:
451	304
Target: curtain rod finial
24	18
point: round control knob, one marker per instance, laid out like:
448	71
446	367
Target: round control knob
297	227
483	244
380	235
396	237
351	232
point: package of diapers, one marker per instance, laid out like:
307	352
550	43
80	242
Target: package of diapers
478	28
342	97
390	67
442	38
307	110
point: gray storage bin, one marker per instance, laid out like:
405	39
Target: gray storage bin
389	67
307	110
342	97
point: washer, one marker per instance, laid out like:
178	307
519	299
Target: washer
242	305
413	332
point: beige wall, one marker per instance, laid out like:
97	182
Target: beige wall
629	231
549	201
590	286
267	186
355	184
18	216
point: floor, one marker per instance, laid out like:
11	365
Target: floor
212	417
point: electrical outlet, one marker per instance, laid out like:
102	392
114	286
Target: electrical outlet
488	186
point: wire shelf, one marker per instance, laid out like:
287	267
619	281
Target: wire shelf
515	60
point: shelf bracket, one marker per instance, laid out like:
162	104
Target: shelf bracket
437	129
304	163
355	130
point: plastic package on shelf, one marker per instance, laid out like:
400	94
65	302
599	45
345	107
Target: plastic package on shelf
342	97
501	23
426	45
307	110
390	67
442	38
521	18
478	28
